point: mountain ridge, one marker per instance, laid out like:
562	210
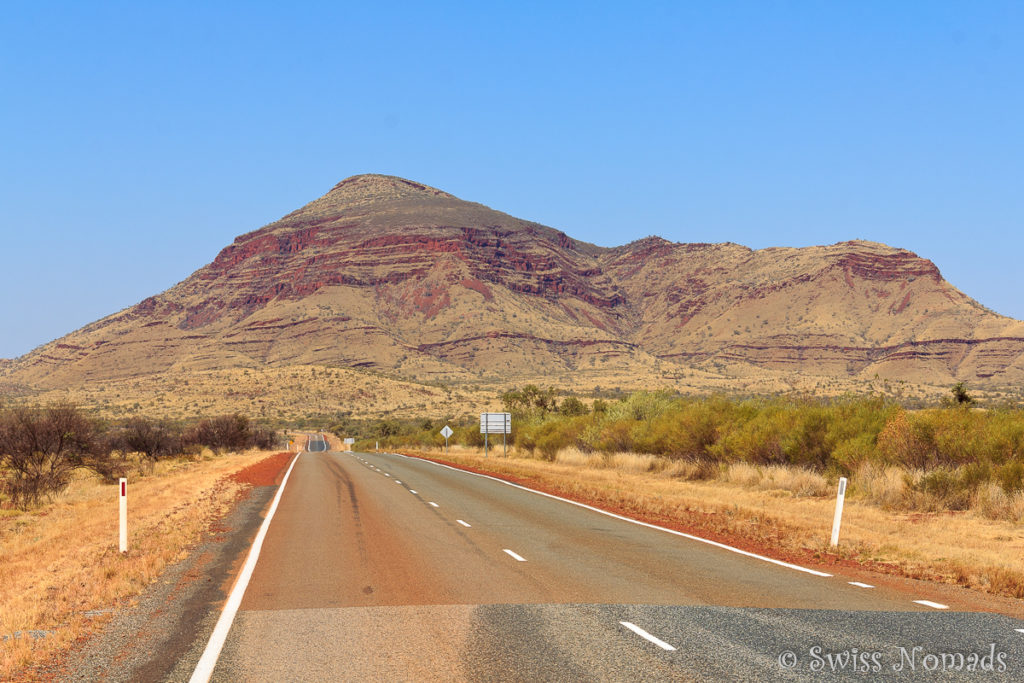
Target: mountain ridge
392	275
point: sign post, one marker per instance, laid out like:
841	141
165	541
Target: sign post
839	511
123	514
446	432
496	423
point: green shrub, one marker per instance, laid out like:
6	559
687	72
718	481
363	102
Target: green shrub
469	436
615	435
1011	477
955	451
945	488
553	435
572	406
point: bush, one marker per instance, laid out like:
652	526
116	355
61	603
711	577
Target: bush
755	434
572	406
41	447
469	435
615	436
1011	477
152	439
229	433
554	435
908	443
640	406
945	488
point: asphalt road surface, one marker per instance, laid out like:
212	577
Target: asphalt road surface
315	443
381	567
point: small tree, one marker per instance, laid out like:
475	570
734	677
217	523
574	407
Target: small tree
388	428
41	447
223	433
154	440
530	399
960	395
573	406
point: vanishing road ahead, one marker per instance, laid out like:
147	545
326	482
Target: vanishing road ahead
316	443
382	567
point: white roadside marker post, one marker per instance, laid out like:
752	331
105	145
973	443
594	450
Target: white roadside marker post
839	511
123	505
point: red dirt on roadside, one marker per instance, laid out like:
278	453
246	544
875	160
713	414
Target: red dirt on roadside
266	472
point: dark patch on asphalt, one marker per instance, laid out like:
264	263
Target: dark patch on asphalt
515	643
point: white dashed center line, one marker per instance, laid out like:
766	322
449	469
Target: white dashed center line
518	558
929	603
647	636
858	584
1019	630
412	492
724	546
434	504
386	474
397	482
465	524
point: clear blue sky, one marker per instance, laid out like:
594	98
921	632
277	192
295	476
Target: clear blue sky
137	139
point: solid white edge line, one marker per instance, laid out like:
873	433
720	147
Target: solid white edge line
647	636
465	524
929	603
514	555
858	584
723	546
204	669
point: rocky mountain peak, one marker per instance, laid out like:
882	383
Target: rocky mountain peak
393	275
369	190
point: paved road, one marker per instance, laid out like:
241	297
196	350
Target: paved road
381	567
315	443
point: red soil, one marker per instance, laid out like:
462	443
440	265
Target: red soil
266	472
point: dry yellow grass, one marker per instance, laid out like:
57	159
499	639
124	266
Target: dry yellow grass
789	511
62	560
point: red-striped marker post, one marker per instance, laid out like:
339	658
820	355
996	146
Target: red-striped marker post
123	505
839	511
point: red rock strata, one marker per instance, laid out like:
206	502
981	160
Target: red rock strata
385	273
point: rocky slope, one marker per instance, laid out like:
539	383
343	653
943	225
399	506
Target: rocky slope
391	275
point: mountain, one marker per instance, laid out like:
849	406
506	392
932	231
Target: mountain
393	276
